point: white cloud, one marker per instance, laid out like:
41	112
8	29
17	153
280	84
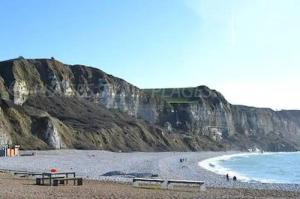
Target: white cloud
276	95
253	47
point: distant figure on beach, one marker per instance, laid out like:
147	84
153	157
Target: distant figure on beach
227	177
234	178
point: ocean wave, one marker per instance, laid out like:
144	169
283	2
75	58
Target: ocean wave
215	165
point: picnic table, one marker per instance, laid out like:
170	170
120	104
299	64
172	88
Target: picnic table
54	176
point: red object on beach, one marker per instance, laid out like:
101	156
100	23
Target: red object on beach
53	170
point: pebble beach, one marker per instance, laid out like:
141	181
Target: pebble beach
110	167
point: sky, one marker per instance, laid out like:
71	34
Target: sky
246	49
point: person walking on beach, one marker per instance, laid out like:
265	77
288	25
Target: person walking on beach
227	177
234	178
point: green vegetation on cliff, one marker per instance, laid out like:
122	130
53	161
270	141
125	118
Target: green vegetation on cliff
46	104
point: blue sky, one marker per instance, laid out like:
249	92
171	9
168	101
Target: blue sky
246	49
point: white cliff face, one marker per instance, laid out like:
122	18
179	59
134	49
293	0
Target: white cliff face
60	86
66	88
201	118
121	103
126	98
52	136
54	84
107	95
148	112
4	136
208	114
21	92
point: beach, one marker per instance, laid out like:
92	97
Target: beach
106	173
19	188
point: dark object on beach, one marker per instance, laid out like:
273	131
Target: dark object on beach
142	175
234	178
114	173
28	154
227	177
136	175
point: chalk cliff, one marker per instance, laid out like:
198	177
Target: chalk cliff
204	111
48	104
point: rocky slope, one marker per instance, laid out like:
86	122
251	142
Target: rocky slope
48	104
204	111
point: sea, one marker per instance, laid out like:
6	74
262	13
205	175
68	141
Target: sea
281	167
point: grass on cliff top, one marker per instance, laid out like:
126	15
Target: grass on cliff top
180	101
175	95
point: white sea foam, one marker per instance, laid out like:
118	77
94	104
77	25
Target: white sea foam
215	165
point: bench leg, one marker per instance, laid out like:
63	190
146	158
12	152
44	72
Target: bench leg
164	185
38	181
136	184
79	182
170	186
202	187
55	182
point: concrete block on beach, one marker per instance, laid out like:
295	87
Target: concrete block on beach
167	183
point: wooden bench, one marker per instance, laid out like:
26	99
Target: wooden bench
189	182
41	181
66	174
24	173
136	181
34	174
168	184
10	171
18	172
21	173
63	180
53	176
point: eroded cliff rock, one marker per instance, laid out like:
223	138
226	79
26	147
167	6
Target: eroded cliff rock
48	104
204	111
